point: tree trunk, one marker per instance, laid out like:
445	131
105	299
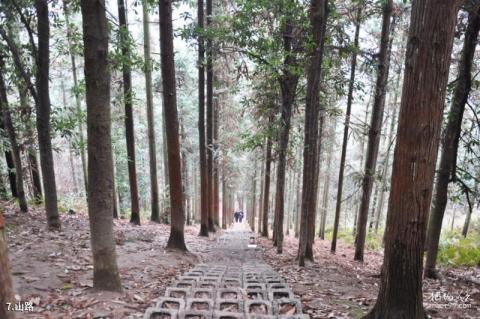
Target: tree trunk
127	99
215	188
12	137
298	203
209	66
12	179
100	161
427	63
260	199
201	125
166	208
225	211
266	184
152	148
78	104
375	129
318	22
251	213
6	287
326	189
176	240
466	225
351	85
43	114
446	171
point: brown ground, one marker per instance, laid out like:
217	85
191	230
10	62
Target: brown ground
335	286
54	270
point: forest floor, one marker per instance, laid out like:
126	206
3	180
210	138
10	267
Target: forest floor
54	271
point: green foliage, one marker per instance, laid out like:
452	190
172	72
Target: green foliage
455	251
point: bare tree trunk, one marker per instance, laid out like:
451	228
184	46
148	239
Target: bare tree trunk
216	109
6	287
204	199
318	22
353	66
12	137
266	185
375	129
100	161
209	84
128	100
251	213
427	63
466	225
448	157
176	239
76	92
43	115
260	199
12	179
166	185
326	189
225	207
152	149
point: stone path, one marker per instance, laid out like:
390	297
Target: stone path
235	283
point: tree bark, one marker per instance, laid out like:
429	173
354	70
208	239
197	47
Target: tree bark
326	190
176	239
100	161
12	179
43	115
266	185
446	170
78	104
6	287
12	137
427	63
209	104
375	129
353	66
127	99
152	148
204	199
318	21
215	188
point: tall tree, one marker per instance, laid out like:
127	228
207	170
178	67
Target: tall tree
209	84
12	137
100	160
351	87
318	24
375	128
266	184
288	80
430	41
176	239
43	114
204	199
76	91
152	150
128	101
6	287
12	179
451	136
326	189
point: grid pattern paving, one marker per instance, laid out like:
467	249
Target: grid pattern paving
235	283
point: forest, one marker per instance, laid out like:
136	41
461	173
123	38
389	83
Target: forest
227	159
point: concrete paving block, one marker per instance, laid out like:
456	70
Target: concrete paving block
208	284
227	315
263	307
232	282
184	284
204	304
159	313
275	294
255	294
257	316
195	314
176	292
285	305
277	286
188	278
202	293
255	286
229	305
229	293
171	303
